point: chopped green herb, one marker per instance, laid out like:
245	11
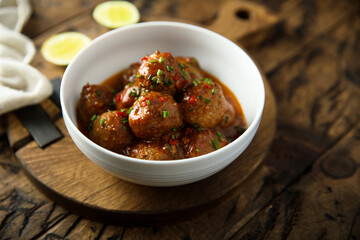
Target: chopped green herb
112	91
172	67
219	135
91	124
227	119
130	109
215	143
159	72
208	81
139	75
200	97
150	77
173	136
184	89
97	92
153	61
165	114
191	108
129	84
102	121
94	117
148	102
181	65
173	129
158	80
207	100
161	59
213	91
195	83
124	127
151	87
183	74
197	150
124	120
168	68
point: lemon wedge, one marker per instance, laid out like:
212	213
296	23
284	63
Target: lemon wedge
114	14
60	48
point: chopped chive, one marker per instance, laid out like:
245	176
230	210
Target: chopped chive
153	61
124	127
151	87
184	89
148	102
173	136
124	120
219	135
112	91
197	150
129	84
97	92
94	117
181	65
200	97
207	100
227	119
165	114
130	109
213	91
174	129
183	74
159	72
195	83
139	75
102	121
215	143
142	85
191	108
91	124
158	80
168	68
208	81
150	77
172	67
161	59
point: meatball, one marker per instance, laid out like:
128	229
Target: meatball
190	68
154	114
111	131
160	72
197	142
151	150
94	100
203	103
127	97
229	115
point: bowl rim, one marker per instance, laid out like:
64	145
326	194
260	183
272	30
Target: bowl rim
115	155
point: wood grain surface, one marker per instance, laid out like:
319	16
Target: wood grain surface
307	187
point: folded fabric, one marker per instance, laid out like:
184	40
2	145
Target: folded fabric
21	85
14	14
16	46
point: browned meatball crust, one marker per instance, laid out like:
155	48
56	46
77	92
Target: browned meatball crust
160	72
190	70
126	98
154	114
151	150
203	103
111	131
198	142
94	100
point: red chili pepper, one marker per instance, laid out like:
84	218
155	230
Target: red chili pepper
162	99
118	97
193	99
177	76
172	141
144	58
143	102
206	85
122	114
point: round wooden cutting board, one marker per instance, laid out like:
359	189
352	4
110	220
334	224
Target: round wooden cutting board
69	178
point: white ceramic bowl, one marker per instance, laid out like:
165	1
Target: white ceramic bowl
115	50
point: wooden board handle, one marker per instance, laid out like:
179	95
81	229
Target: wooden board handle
237	19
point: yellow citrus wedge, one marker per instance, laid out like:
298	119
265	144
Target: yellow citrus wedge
114	14
60	48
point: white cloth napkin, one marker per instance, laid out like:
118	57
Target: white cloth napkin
20	84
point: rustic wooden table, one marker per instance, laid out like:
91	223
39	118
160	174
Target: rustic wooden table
308	186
